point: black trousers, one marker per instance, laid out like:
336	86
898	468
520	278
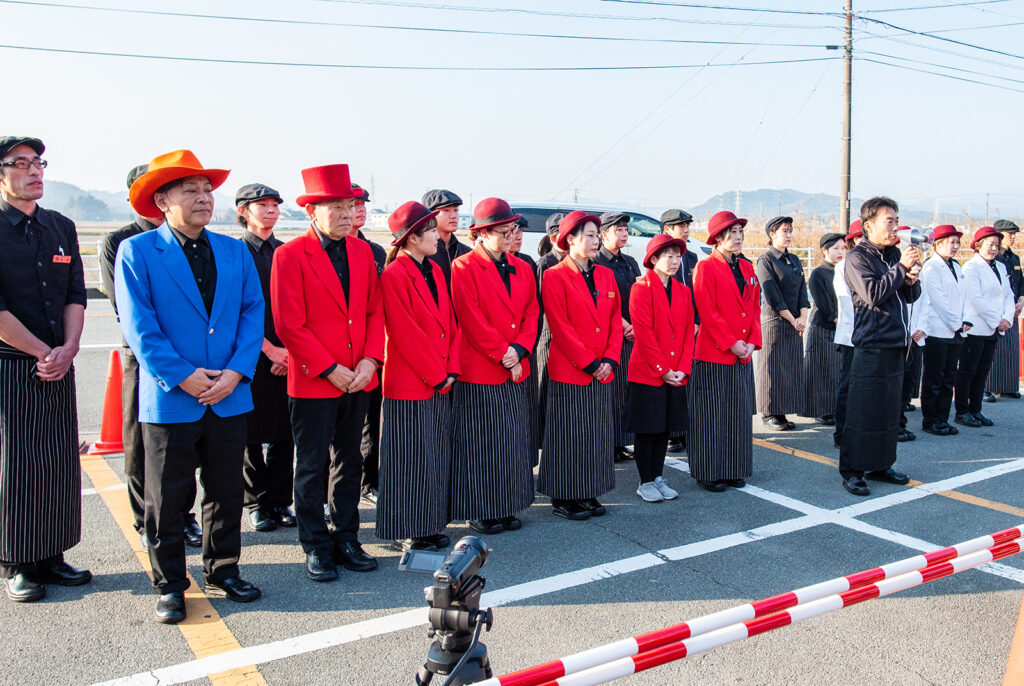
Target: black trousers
268	475
842	390
370	444
912	370
649	454
134	450
215	446
327	434
941	356
975	362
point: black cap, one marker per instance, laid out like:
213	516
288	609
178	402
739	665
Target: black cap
613	219
775	222
1005	226
523	222
669	217
8	143
135	173
552	222
438	198
256	191
829	239
361	193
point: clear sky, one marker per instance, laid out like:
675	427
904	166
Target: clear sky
638	138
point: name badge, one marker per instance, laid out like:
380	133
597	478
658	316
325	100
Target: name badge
611	294
62	259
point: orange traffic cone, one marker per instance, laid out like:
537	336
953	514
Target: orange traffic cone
111	440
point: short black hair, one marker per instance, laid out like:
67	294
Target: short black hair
240	218
869	210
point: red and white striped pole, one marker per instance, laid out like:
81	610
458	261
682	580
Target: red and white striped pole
578	662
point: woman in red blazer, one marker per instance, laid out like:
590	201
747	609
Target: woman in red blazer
420	366
581	303
661	311
729	302
495	299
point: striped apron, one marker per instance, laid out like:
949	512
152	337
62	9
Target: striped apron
780	369
535	412
720	444
579	457
622	437
822	362
1004	376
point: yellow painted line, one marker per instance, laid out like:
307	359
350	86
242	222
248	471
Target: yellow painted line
803	454
1014	675
203	629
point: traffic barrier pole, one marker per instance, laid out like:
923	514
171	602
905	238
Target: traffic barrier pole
111	440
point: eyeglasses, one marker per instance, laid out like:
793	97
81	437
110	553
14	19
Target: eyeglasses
24	163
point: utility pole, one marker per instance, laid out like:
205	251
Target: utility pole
844	190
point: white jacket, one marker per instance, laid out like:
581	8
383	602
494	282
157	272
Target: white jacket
986	299
945	295
844	327
918	312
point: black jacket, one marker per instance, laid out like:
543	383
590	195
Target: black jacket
880	294
825	308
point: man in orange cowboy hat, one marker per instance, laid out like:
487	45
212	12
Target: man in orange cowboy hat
191	310
328	313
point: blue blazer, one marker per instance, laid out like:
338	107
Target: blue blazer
164	321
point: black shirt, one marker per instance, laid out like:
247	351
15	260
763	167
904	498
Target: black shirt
737	273
426	268
338	254
949	263
380	255
588	278
782	282
685	276
262	252
446	254
826	306
1012	263
505	271
999	276
199	256
108	253
626	272
40	270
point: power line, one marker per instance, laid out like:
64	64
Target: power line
935	73
941	66
943	50
932	7
941	38
767	10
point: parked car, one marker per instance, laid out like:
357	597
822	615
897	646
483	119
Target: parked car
642	228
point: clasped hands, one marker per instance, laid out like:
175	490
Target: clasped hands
742	350
353	380
210	386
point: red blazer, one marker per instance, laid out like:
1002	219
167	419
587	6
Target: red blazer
725	315
662	332
581	331
490	319
312	318
422	344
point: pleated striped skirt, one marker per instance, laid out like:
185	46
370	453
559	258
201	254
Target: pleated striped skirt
1004	377
780	368
415	467
720	444
619	387
40	476
578	457
822	363
540	376
492	470
534	411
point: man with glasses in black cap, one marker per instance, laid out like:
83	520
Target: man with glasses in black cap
134	451
42	312
448	245
676	223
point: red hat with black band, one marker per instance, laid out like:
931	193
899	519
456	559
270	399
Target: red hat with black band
856	231
722	221
326	183
405	221
661	242
492	212
576	219
983	233
945	231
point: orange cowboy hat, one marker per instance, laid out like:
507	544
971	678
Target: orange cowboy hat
165	168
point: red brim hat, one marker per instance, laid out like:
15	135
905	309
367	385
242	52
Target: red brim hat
983	233
945	231
722	221
856	231
409	217
171	166
572	221
659	243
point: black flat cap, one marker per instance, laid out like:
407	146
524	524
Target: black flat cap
361	193
775	222
1005	226
135	173
523	222
829	239
552	222
256	191
669	217
8	143
438	198
613	219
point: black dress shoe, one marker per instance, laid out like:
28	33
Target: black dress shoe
675	447
487	527
284	517
262	520
170	607
713	486
905	436
510	523
570	509
890	475
988	397
595	508
369	496
985	421
623	453
967	420
777	423
1014	396
735	483
64	574
836	441
22	588
827	420
233	588
193	534
350	555
856	485
909	408
953	431
441	541
936	429
320	566
144	541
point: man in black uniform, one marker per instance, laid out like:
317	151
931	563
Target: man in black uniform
134	453
448	245
1006	364
42	311
267	475
676	223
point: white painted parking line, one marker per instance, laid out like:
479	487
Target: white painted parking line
93	491
99	346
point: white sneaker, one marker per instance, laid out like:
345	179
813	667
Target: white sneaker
649	492
667	492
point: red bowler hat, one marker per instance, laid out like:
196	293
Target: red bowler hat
329	182
982	233
856	231
945	231
659	243
492	212
721	221
163	169
572	221
409	217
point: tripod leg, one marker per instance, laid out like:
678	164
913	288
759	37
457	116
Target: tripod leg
423	676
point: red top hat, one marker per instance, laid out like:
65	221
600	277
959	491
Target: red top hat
945	231
721	221
572	221
171	166
329	182
492	212
659	243
404	221
856	231
984	232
